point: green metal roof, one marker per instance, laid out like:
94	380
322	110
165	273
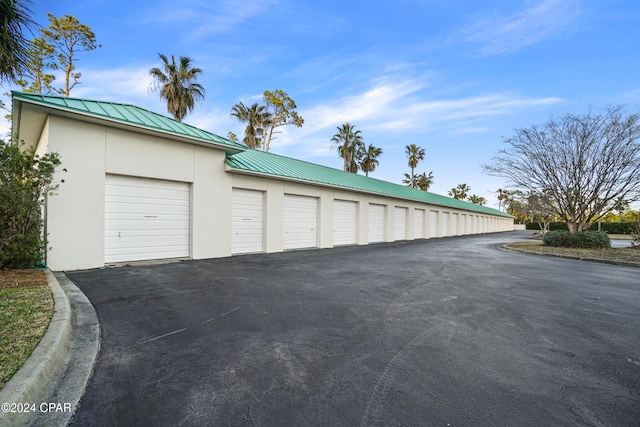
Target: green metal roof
259	162
126	114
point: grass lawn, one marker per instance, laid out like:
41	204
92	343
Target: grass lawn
614	254
26	307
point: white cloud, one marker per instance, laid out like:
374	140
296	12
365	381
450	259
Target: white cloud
374	105
400	106
499	34
214	120
395	111
126	84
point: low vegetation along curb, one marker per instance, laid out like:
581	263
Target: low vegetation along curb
26	307
622	256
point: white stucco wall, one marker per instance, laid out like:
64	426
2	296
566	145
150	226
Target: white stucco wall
75	215
89	152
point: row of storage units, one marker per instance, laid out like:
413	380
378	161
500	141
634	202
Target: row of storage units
384	222
141	186
150	219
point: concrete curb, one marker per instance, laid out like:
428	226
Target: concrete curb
577	258
58	370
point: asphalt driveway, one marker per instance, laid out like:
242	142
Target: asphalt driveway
439	332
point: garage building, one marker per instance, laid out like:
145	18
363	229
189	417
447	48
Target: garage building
141	186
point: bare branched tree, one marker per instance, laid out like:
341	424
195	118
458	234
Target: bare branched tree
541	208
583	163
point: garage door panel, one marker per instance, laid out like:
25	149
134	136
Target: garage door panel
418	223
444	224
171	243
145	253
149	198
152	194
454	224
344	222
376	223
161	227
146	219
400	223
300	222
138	213
125	206
433	223
247	221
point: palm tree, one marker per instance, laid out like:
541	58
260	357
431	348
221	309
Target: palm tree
424	181
460	192
370	159
255	117
348	141
177	85
409	181
14	47
415	154
478	200
503	197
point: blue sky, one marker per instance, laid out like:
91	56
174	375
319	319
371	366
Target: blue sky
454	77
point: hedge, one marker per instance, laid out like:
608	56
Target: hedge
608	227
552	226
586	239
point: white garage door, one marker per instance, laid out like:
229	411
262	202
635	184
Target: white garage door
444	224
400	223
300	222
246	221
145	219
418	224
433	223
344	222
454	224
463	224
376	223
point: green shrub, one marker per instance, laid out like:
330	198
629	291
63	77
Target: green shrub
615	228
609	227
24	181
552	226
587	239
